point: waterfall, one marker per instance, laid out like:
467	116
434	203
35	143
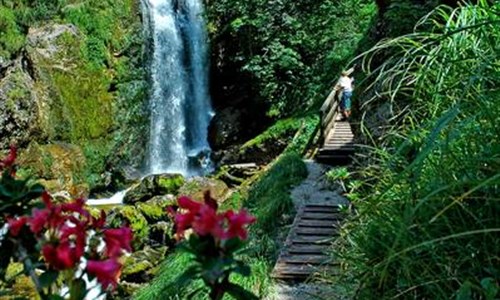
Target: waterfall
180	109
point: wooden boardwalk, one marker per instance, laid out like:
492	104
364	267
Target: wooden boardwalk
337	140
307	244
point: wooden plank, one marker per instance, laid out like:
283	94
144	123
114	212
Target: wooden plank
320	216
313	239
320	208
306	259
307	249
296	270
317	223
315	231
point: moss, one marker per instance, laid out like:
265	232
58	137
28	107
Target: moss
151	211
171	184
11	37
132	216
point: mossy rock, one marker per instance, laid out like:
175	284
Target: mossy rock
154	185
142	265
60	165
154	209
162	234
21	286
171	183
195	188
131	216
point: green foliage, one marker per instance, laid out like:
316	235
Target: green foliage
290	51
11	37
427	225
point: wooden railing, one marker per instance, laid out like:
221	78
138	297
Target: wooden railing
330	109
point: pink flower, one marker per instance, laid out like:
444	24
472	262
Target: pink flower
98	223
237	223
208	222
9	161
60	257
183	222
76	206
47	199
186	203
38	220
118	240
107	271
76	235
15	225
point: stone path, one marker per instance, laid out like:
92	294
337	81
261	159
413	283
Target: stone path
313	190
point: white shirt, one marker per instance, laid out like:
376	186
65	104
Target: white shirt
346	83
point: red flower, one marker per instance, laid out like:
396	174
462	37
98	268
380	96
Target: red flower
183	222
39	218
47	199
9	161
62	256
186	203
98	223
76	235
117	240
107	271
15	225
237	222
208	222
76	206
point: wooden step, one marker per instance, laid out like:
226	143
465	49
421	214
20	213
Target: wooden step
308	243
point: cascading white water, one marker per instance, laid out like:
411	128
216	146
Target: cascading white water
179	101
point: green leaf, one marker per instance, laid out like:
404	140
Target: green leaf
189	275
233	245
490	288
78	290
48	278
56	297
465	291
242	269
239	293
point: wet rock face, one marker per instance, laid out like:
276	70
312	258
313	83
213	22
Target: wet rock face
18	109
27	96
225	128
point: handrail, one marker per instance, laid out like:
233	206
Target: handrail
329	109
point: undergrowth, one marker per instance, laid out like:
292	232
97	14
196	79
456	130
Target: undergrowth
427	221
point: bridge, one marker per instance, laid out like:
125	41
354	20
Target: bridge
336	137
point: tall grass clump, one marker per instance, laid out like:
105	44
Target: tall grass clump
427	224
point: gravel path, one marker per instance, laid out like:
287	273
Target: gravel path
313	190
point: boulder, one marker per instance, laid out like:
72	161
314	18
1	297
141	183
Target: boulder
154	209
154	185
162	234
59	166
131	216
195	187
142	265
73	99
18	110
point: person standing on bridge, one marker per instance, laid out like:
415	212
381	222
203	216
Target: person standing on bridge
346	87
